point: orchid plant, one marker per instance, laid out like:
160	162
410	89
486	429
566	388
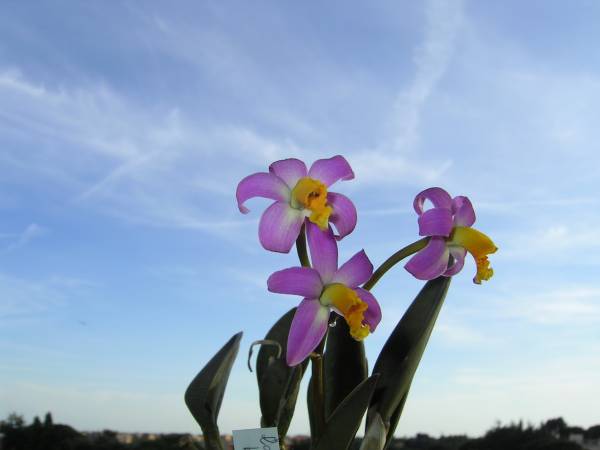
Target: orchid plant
338	311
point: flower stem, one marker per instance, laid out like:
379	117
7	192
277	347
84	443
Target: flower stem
318	392
301	248
395	259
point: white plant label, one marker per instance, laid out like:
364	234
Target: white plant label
256	439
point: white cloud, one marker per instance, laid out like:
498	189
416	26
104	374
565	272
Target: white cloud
31	232
574	306
154	167
444	21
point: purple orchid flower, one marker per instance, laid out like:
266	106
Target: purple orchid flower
326	287
299	194
449	225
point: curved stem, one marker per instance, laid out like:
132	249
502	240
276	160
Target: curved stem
301	248
395	259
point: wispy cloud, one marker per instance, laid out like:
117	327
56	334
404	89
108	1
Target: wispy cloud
571	306
393	160
444	20
31	232
153	167
20	297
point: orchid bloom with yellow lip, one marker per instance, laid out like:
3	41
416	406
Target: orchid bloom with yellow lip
449	225
326	287
299	194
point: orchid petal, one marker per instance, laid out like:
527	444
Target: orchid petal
330	170
464	214
289	170
372	316
323	251
458	254
430	262
306	331
439	197
261	184
279	227
303	281
435	222
343	216
354	272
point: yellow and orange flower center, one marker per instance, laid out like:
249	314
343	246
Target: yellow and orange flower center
311	194
477	244
349	304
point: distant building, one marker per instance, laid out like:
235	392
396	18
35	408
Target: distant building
580	439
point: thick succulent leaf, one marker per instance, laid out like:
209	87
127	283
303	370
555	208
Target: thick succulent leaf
344	364
401	354
394	420
278	383
342	425
205	393
375	436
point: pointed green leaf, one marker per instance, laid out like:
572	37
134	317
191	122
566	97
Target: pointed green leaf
344	364
342	425
278	383
204	395
401	354
394	420
375	436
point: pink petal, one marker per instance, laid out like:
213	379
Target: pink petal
343	216
289	170
279	227
373	313
354	272
435	222
330	170
458	253
464	214
323	251
439	197
430	262
303	281
261	184
308	328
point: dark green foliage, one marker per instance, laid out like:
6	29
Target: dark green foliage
344	364
401	354
342	425
278	384
518	437
593	432
204	395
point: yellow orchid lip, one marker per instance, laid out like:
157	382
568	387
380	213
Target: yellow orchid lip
311	194
349	304
477	244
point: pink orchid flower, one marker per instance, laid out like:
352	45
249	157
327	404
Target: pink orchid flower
299	193
449	225
326	287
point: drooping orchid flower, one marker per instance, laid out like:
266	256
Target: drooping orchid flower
326	287
449	225
299	193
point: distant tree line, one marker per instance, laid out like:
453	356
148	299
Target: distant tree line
553	434
50	436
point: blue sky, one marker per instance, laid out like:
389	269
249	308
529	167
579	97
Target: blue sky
125	127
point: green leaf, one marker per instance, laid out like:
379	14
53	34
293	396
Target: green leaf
204	395
278	383
401	354
344	364
375	436
394	420
342	425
